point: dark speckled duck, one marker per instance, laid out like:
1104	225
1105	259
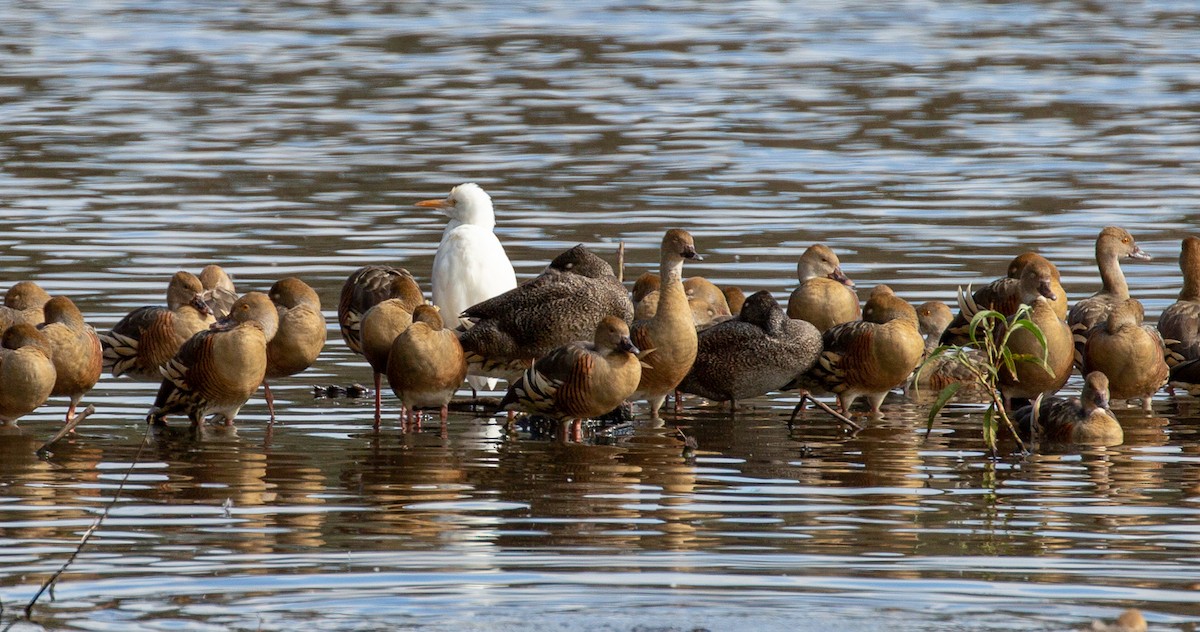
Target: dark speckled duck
563	304
759	352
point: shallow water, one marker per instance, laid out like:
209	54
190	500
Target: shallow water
927	143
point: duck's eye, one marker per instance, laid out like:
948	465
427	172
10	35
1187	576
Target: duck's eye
1124	240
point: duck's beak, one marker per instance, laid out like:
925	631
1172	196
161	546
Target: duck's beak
627	345
689	252
840	277
1139	254
202	307
225	324
1045	290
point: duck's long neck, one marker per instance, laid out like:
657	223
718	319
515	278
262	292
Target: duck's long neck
1111	275
672	298
1191	282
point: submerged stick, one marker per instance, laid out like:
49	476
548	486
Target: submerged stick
87	535
66	429
825	407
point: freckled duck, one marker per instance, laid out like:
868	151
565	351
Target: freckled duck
1112	244
1003	295
26	372
219	292
563	304
1017	266
1032	380
426	364
301	333
75	351
760	351
148	337
1179	323
470	265
825	296
1129	353
366	287
580	380
23	303
1085	419
872	356
668	340
216	371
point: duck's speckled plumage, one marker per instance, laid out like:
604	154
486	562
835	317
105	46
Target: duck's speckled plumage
148	337
216	371
75	350
580	380
825	296
668	340
26	372
1081	420
1129	353
759	352
563	304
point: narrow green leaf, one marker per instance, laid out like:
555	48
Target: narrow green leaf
940	403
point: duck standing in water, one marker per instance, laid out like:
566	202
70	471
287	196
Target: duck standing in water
580	380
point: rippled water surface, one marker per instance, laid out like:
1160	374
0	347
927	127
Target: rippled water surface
926	142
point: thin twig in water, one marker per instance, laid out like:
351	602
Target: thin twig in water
66	429
621	262
825	407
87	535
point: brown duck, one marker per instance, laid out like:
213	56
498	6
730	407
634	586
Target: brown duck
219	291
1179	323
563	304
23	303
426	364
1085	419
1113	244
75	350
301	333
759	352
825	296
379	328
1031	379
368	286
706	301
1017	266
1129	353
869	357
1002	295
734	299
580	380
668	340
933	317
148	337
217	370
26	372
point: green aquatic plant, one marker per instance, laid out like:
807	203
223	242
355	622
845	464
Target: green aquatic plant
989	333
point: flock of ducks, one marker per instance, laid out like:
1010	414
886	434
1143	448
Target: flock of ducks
573	344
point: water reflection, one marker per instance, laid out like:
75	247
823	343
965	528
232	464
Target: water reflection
928	143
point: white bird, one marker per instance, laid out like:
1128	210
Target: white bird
470	265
